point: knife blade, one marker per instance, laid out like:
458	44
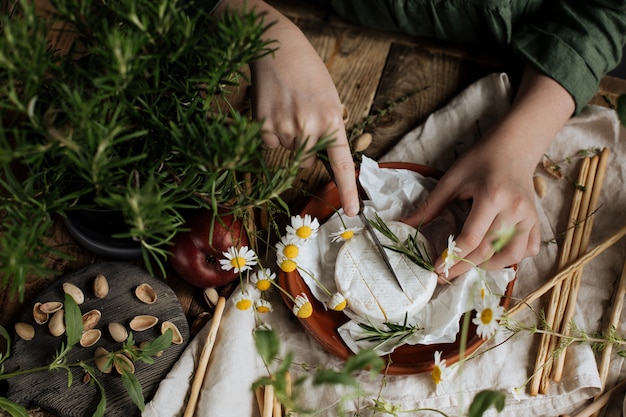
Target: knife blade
368	226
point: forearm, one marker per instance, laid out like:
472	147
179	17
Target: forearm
540	109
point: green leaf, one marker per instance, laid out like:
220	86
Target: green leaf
73	321
102	404
6	336
485	399
157	345
267	344
329	376
621	108
14	409
133	387
364	359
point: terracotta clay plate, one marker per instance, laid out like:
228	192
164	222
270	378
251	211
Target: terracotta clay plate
323	324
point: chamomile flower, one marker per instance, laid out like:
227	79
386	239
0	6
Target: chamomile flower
303	228
440	370
241	259
243	300
302	306
337	302
517	392
262	279
286	264
263	306
345	233
449	255
487	317
288	247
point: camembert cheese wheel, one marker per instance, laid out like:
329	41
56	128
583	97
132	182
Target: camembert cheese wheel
369	287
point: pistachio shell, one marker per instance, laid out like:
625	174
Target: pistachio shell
541	188
199	322
345	114
118	332
101	356
91	319
144	322
177	338
75	292
362	142
25	331
100	286
39	316
90	337
56	325
50	307
146	294
122	363
211	296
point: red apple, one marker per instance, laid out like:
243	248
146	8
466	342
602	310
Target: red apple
196	253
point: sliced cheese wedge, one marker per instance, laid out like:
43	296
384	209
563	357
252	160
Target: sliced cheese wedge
368	286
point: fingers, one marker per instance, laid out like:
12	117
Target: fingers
493	244
293	136
436	201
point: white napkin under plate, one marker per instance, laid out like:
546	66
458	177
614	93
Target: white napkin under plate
509	363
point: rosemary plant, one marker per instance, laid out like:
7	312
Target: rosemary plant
131	114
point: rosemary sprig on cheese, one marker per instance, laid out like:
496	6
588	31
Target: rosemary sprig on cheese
413	248
402	331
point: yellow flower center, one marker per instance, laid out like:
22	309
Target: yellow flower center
288	265
482	293
238	262
304	232
244	304
291	251
444	254
340	306
347	235
436	375
486	316
263	285
263	309
305	311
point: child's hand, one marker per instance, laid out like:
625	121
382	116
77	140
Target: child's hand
295	97
503	201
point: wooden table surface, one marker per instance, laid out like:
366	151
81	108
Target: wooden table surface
389	84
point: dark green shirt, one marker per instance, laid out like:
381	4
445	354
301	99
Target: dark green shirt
575	42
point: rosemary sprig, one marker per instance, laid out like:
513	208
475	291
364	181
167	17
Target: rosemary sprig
412	247
400	331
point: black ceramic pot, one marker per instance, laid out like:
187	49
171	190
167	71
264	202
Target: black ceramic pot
94	229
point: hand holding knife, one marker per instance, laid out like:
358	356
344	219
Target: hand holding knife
366	223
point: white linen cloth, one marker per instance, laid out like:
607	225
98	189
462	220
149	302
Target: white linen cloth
235	365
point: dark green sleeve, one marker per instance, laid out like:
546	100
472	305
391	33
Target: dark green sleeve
574	42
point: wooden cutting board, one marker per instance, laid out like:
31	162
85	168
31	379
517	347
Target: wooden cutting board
49	390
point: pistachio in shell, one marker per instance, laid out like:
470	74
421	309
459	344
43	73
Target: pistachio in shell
56	325
25	331
39	316
123	364
90	337
75	292
143	322
177	338
362	142
100	286
91	319
211	296
101	357
50	307
146	294
118	332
